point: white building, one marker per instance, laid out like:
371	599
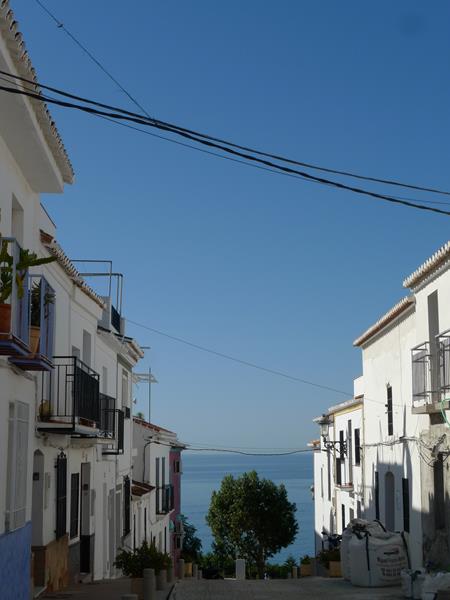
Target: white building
32	161
338	489
405	415
153	468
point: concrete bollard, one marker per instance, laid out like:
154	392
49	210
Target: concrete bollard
149	586
129	597
294	572
195	571
161	580
240	569
170	574
200	574
181	568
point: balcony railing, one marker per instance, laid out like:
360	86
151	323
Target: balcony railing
14	311
164	499
116	419
444	364
42	326
69	398
422	388
107	416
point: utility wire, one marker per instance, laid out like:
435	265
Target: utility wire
61	25
246	363
361	191
219	140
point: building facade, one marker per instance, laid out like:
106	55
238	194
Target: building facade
405	417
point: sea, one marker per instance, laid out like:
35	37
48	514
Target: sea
203	473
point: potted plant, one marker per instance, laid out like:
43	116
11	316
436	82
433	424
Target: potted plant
26	260
334	559
35	313
331	560
133	562
305	566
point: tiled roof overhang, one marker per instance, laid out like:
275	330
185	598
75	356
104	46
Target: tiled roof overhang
69	268
24	67
438	259
387	318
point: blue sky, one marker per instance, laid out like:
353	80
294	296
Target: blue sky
275	271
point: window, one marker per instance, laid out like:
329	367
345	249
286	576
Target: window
158	491
126	505
87	346
341	444
125	390
329	475
405	493
338	472
377	496
176	466
358	509
104	380
357	447
321	481
389	411
350	451
343	516
145	523
439	493
74	504
17	465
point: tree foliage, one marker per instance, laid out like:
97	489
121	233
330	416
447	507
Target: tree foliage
192	545
251	518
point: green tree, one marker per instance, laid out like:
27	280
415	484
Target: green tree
251	518
192	545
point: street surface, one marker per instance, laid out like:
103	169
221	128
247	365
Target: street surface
308	588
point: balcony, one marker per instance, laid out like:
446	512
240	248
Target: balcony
69	399
431	375
112	429
42	325
14	300
164	499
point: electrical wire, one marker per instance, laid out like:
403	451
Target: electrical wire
157	124
61	25
212	138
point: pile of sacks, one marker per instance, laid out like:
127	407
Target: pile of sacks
372	556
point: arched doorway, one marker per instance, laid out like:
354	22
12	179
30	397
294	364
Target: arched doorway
389	501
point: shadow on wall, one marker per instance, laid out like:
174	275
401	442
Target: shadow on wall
390	496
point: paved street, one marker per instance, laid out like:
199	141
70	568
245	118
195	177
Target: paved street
308	588
105	590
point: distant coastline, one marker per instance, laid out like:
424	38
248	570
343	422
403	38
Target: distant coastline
203	472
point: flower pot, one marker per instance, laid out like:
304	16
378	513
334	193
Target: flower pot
188	569
35	335
45	411
306	570
5	318
335	568
137	587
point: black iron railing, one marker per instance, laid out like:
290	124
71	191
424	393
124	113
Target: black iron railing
118	430
115	318
70	393
165	499
107	416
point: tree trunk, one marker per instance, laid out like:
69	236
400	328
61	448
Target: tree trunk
261	564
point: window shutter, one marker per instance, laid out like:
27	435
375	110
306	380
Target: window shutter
61	495
17	470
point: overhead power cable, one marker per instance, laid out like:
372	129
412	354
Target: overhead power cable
61	26
252	365
157	124
216	139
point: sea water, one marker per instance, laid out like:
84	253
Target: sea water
203	473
